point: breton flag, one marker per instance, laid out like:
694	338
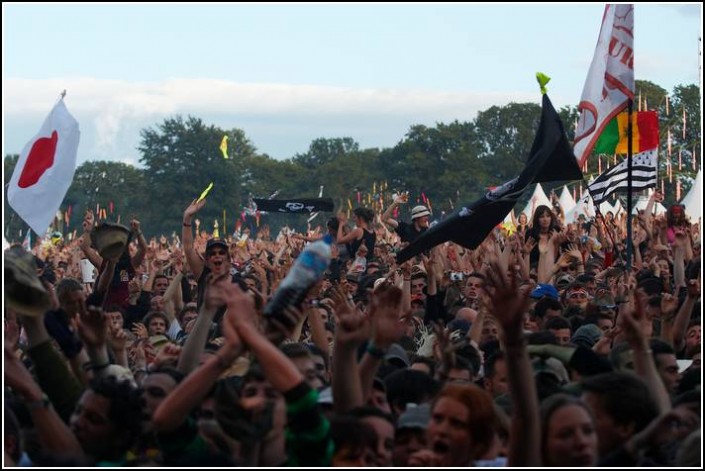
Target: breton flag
550	159
610	82
45	170
614	180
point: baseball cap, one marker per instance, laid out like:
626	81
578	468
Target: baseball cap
352	277
544	289
216	243
397	352
419	211
552	367
586	335
459	324
415	416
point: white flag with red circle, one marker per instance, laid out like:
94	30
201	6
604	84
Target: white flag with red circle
45	170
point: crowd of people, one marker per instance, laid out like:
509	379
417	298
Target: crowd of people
543	346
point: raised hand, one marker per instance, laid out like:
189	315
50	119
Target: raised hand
118	339
529	245
240	304
92	326
353	328
693	289
169	353
603	346
88	221
386	314
508	302
140	330
632	315
342	302
193	208
216	291
135	226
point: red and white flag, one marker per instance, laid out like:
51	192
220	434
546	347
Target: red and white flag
610	81
45	170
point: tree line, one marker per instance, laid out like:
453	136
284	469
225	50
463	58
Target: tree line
448	163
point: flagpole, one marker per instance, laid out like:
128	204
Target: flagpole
630	105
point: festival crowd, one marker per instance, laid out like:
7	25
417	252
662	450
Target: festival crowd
544	346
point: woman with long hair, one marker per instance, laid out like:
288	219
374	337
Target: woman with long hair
546	233
568	434
362	233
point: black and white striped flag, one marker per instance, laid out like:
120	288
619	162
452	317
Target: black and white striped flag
614	180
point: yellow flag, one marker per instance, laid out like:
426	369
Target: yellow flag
205	192
224	147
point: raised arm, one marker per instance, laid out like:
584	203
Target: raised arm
680	324
386	215
387	328
90	253
350	236
631	316
279	370
196	341
189	394
53	433
352	329
195	262
141	244
509	304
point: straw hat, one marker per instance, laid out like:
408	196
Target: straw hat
24	291
110	239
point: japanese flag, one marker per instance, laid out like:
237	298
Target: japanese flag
45	170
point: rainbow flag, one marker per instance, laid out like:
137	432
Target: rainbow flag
613	139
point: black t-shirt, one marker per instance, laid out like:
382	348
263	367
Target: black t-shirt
368	238
408	232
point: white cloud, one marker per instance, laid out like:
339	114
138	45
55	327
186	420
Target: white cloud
280	119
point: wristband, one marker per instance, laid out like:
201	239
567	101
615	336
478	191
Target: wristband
187	225
375	352
43	403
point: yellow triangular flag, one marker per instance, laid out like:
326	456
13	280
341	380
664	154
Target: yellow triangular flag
224	147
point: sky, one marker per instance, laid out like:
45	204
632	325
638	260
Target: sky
287	74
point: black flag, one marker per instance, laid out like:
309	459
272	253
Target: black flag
294	205
551	159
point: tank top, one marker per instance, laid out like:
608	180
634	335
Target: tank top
369	238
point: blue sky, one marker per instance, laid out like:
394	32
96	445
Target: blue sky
287	74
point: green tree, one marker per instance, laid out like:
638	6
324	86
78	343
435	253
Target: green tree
324	150
101	183
181	157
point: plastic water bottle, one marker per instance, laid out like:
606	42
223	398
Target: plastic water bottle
309	267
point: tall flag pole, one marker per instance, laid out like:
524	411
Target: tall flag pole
630	248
